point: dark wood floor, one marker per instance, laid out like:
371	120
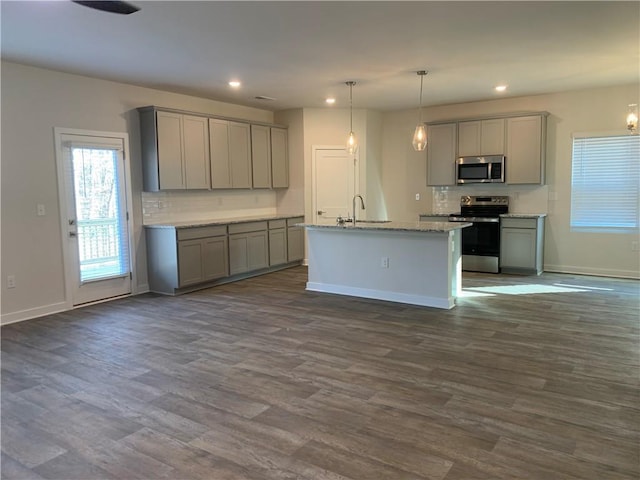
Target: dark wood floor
262	380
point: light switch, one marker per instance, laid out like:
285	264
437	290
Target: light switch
41	210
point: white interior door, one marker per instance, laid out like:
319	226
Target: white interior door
334	184
95	224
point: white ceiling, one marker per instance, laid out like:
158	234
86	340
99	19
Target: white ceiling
300	52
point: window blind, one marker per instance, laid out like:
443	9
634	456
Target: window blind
96	176
605	182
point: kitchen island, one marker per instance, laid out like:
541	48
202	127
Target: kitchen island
417	263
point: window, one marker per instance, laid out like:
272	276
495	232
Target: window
605	181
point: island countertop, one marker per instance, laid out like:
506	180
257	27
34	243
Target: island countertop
440	227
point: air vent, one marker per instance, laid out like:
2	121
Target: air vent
263	97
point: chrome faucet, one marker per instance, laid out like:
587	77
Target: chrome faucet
354	207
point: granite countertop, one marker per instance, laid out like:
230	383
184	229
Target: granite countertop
523	215
222	221
436	214
440	227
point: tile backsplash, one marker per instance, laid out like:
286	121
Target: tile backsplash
522	198
177	206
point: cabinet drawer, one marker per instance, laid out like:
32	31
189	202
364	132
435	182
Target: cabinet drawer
292	221
277	224
201	232
247	227
519	222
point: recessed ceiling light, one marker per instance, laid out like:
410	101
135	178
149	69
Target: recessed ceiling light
234	84
330	100
501	88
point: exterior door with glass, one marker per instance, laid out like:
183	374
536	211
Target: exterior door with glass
95	216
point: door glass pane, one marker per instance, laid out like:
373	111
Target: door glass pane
100	226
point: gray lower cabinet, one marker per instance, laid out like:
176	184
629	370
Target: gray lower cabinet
182	257
277	242
248	247
521	245
295	239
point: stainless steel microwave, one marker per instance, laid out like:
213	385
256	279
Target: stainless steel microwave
487	169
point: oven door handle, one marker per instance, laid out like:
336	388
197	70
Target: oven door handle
475	219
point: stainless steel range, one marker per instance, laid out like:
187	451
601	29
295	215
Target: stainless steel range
481	241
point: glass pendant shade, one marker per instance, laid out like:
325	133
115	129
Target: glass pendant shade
352	144
419	138
632	118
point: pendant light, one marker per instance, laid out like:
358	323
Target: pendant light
632	118
352	141
420	135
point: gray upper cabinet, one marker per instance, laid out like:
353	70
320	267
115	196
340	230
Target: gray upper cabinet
240	154
230	154
441	153
261	156
183	151
481	137
279	158
521	138
175	150
195	147
220	161
526	139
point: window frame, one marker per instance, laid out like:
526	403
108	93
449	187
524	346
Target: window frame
593	181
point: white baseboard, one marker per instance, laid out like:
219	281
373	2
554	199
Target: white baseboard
144	288
420	300
30	313
597	272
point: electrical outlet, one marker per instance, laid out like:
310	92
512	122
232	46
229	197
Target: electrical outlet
635	247
11	281
417	196
384	262
41	211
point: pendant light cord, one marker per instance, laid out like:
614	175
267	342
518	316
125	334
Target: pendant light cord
351	106
422	73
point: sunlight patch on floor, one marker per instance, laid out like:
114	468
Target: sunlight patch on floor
520	290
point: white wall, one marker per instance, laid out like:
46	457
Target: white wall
34	101
596	110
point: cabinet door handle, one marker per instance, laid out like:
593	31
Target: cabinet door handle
320	212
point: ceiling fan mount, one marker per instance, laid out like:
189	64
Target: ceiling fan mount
111	6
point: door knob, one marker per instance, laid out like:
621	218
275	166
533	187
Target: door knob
73	234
